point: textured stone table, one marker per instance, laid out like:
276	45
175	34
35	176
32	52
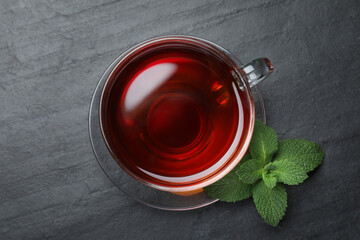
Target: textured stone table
52	53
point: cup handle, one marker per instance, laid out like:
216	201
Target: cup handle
257	70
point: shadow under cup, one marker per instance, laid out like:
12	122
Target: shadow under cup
176	113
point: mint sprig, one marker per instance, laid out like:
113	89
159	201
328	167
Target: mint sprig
263	173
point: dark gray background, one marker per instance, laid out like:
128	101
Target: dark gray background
52	53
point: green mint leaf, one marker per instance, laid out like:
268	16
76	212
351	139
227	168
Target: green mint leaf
289	172
263	143
271	203
250	171
306	154
245	158
269	179
230	188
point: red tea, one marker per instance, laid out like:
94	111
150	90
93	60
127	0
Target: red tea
174	114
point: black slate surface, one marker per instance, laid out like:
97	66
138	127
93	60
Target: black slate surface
52	53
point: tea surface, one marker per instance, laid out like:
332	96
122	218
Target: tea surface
174	115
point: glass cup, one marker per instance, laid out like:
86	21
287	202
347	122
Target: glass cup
244	77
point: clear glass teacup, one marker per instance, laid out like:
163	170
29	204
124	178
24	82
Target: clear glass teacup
177	112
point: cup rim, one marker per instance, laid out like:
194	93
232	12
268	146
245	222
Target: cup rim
228	165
